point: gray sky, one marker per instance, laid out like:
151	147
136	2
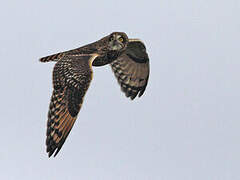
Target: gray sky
185	127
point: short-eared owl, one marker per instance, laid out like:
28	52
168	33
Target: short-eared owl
72	75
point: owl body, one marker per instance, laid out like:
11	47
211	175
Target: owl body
73	73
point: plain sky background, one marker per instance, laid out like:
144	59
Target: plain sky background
185	127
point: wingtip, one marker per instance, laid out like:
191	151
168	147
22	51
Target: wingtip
53	151
55	154
132	98
141	92
42	60
50	153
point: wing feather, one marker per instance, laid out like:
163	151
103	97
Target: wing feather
54	57
71	78
132	69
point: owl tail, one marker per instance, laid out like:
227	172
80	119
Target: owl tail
54	57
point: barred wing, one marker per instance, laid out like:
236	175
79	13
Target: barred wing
132	69
71	78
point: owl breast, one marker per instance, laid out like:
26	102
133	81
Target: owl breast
112	55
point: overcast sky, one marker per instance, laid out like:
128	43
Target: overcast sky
185	127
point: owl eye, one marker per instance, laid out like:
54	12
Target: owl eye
121	39
111	38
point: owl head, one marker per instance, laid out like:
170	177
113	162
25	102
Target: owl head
117	41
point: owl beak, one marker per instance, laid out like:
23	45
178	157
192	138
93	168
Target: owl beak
115	42
117	46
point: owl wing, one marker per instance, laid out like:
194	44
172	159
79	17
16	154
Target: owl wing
71	78
132	69
54	57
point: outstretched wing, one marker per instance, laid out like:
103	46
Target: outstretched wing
71	78
132	69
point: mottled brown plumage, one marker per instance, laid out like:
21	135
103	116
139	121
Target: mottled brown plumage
72	75
102	47
132	69
71	78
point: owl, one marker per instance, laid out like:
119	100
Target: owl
73	73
